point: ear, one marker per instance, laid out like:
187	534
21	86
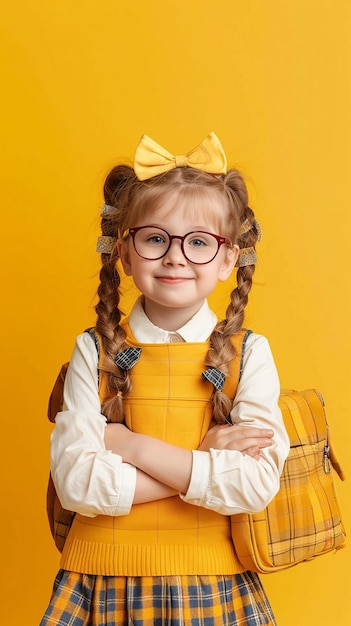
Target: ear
228	263
123	253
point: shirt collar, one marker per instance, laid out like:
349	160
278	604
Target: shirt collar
197	329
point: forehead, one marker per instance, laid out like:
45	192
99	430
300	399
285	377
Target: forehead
199	204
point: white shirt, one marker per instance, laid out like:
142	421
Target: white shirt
92	480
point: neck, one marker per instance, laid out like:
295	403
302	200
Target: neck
169	318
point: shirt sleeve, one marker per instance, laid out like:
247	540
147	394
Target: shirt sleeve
227	481
88	478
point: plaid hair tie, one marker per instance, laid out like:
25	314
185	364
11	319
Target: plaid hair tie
127	358
214	376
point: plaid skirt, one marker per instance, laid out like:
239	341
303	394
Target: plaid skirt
86	600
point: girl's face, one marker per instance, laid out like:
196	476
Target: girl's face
174	288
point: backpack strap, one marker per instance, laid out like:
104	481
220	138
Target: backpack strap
245	338
56	397
93	334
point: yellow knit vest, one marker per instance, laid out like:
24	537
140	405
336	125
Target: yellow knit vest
169	400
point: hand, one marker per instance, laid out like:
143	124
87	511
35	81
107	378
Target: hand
246	439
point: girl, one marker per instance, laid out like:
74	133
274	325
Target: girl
145	451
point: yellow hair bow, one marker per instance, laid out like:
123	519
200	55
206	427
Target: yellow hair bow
151	159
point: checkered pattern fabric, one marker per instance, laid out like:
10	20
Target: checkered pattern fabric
127	358
60	519
303	520
82	600
214	376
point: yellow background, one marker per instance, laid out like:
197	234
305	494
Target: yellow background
81	81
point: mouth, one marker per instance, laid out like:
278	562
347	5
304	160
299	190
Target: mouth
172	280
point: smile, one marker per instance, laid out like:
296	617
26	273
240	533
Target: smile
172	280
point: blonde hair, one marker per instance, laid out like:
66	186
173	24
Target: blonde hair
128	200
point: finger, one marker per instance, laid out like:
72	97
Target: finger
244	443
257	432
253	451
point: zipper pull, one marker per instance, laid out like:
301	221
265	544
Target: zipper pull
326	459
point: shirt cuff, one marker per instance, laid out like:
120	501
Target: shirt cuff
200	476
128	478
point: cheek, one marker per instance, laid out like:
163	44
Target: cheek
139	269
209	278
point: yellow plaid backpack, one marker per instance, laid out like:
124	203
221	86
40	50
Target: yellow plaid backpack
303	520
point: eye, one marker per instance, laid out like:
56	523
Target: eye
155	239
197	240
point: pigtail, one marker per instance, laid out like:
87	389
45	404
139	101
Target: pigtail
222	351
249	235
116	191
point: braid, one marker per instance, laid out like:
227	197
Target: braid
112	335
222	351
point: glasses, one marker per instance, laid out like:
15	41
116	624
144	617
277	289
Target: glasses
199	247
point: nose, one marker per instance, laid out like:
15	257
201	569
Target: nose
174	255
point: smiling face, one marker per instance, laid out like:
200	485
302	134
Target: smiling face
174	288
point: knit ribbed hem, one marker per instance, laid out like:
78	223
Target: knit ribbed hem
149	560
